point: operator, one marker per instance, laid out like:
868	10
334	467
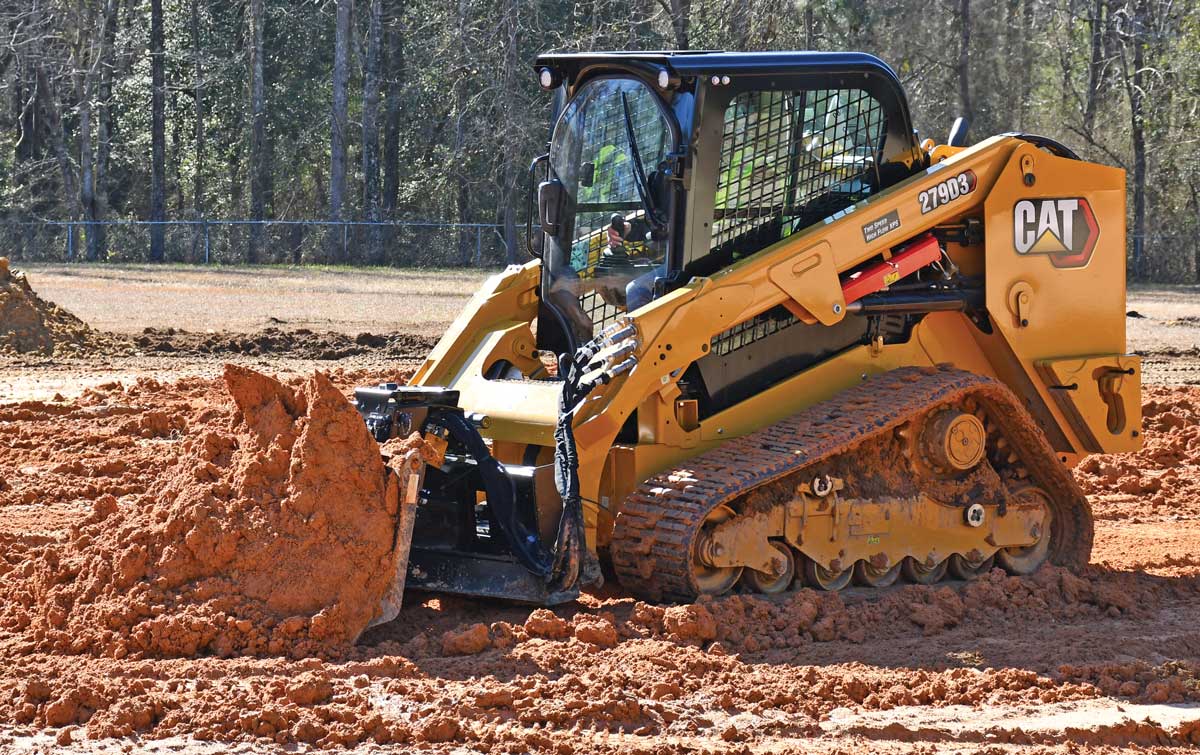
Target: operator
639	291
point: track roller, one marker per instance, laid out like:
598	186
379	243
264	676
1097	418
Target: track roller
769	584
960	567
918	573
821	578
713	580
871	576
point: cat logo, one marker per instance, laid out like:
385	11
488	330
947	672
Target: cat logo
1064	229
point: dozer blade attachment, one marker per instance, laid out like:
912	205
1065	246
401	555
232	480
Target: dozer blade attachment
409	471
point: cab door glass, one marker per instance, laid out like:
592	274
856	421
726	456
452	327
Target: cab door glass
609	150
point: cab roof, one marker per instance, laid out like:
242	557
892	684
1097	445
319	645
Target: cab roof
708	62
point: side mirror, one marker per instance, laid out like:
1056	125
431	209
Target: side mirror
550	202
958	132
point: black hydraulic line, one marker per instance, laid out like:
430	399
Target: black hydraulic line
911	304
1044	142
570	543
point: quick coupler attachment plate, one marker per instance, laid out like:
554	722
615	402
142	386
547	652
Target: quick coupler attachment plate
391	410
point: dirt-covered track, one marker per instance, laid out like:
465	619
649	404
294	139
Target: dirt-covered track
653	541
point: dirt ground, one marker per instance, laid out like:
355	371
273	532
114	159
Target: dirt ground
1103	661
128	298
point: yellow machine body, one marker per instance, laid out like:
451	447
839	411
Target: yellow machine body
1058	340
767	334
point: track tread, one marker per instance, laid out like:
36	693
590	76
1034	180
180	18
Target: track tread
654	532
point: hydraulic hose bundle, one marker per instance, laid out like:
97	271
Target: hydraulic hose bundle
581	374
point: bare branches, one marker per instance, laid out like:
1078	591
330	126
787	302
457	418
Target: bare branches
437	111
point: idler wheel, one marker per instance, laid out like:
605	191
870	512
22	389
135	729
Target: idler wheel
1027	559
713	580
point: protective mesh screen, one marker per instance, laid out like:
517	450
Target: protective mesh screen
749	331
600	312
790	159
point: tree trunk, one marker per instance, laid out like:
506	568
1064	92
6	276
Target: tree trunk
809	27
258	133
512	149
338	126
53	111
84	75
1138	134
87	176
370	133
964	58
98	235
1095	70
176	153
1026	78
158	127
462	192
391	129
198	137
679	12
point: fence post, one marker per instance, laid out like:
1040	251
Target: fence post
70	242
345	244
206	246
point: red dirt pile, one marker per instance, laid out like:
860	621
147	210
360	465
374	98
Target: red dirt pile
273	534
32	325
1163	479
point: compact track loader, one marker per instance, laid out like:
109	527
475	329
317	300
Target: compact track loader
768	335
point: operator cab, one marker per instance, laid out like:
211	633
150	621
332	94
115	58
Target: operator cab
668	165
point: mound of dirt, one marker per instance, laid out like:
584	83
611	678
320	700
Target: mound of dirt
300	343
1163	478
272	535
31	325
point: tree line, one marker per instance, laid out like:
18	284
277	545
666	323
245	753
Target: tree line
393	110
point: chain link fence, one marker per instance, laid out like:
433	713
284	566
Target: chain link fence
1155	257
290	242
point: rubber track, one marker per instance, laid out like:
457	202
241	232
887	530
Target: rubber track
653	535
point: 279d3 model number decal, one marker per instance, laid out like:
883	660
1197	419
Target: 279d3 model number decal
947	191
